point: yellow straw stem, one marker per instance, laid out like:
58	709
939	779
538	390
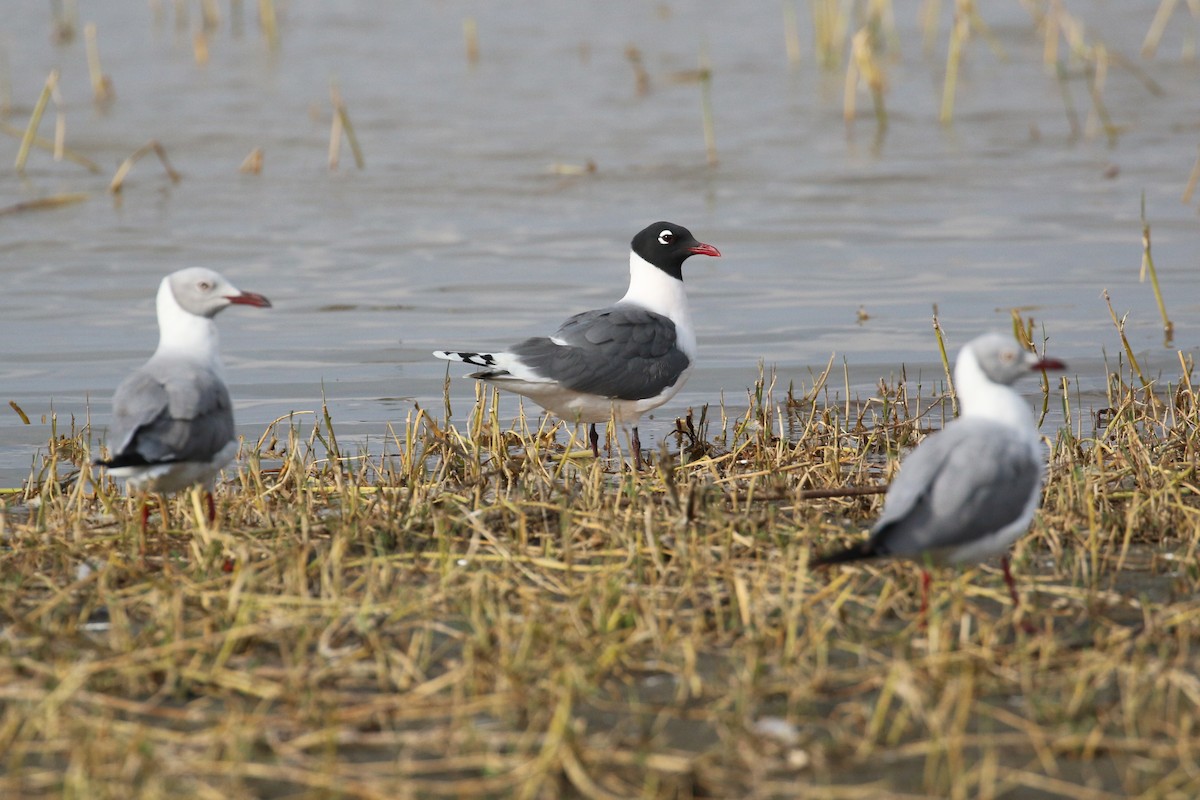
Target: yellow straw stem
35	119
1148	269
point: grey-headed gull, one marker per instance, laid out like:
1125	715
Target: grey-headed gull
969	491
616	362
172	422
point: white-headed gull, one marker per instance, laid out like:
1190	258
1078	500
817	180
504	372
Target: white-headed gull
172	422
969	491
616	362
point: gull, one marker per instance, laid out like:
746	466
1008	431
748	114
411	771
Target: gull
172	423
616	362
969	491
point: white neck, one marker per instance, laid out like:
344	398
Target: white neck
654	290
979	397
182	333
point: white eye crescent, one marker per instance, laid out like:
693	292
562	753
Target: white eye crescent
666	237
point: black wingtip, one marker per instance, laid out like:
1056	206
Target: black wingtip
858	552
130	460
121	461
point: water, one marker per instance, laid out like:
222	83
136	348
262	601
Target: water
458	232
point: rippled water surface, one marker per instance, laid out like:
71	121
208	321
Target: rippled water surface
460	232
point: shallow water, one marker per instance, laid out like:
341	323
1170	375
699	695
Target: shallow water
459	234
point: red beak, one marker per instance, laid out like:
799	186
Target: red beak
249	299
1048	364
704	250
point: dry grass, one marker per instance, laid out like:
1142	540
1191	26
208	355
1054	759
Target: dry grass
485	611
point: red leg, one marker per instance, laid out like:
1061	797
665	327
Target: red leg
1026	625
925	581
212	507
1008	578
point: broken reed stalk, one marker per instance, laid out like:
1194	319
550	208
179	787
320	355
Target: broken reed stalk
845	491
941	342
341	122
118	181
42	203
830	25
1049	24
210	14
931	11
101	84
46	144
35	119
1098	77
960	31
1193	178
60	123
200	46
1021	332
1157	26
1152	86
864	67
641	78
253	163
335	140
791	33
471	40
65	16
268	22
978	24
1119	324
1068	102
706	109
850	90
1148	269
20	411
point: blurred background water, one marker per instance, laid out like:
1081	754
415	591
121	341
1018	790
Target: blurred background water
465	228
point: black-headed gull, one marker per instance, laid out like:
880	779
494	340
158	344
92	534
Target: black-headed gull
616	362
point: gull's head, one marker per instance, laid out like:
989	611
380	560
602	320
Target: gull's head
204	293
667	245
1003	360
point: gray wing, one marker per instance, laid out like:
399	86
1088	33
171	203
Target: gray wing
168	413
969	480
622	352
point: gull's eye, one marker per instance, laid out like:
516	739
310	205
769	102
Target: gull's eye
666	237
1008	356
204	286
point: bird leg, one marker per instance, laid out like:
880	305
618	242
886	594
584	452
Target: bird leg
925	581
594	439
1026	625
636	444
212	506
145	497
1008	578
